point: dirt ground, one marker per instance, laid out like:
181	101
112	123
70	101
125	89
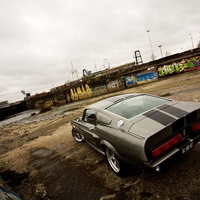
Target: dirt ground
40	160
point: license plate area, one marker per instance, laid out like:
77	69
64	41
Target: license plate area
187	147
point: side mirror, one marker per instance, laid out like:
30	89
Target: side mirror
79	119
103	118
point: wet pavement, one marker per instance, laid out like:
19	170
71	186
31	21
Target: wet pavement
20	116
33	115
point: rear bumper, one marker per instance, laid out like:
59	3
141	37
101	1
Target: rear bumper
180	149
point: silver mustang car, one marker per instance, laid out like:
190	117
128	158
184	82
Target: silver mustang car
139	129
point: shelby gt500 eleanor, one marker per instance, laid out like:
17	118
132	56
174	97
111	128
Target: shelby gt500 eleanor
139	129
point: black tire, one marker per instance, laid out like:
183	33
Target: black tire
114	162
77	136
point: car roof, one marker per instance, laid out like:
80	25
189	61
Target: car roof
100	105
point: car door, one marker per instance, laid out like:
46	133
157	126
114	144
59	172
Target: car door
88	125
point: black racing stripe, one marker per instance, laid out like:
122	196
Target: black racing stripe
150	112
163	106
174	111
160	117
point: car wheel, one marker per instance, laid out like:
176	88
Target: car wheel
113	161
76	135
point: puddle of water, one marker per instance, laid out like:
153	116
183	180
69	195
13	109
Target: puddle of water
42	153
26	117
18	117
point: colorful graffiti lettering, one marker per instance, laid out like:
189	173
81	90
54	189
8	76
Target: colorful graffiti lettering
130	80
99	89
179	67
146	76
73	94
85	91
80	92
114	84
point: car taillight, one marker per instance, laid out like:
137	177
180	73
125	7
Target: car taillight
167	145
196	127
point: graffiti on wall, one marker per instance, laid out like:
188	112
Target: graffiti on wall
184	66
99	89
125	81
80	92
114	84
84	91
147	76
130	80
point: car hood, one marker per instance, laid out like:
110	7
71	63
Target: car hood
156	119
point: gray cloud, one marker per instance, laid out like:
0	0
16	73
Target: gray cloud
39	39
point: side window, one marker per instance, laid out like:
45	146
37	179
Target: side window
89	116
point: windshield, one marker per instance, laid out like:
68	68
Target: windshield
134	106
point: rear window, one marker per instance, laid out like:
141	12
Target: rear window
131	107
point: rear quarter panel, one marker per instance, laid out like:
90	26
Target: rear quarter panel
129	146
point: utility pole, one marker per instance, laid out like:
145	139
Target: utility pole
161	50
192	41
153	56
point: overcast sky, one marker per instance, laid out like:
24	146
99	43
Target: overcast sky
40	40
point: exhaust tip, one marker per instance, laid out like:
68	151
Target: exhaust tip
158	169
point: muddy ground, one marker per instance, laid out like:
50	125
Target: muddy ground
40	160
